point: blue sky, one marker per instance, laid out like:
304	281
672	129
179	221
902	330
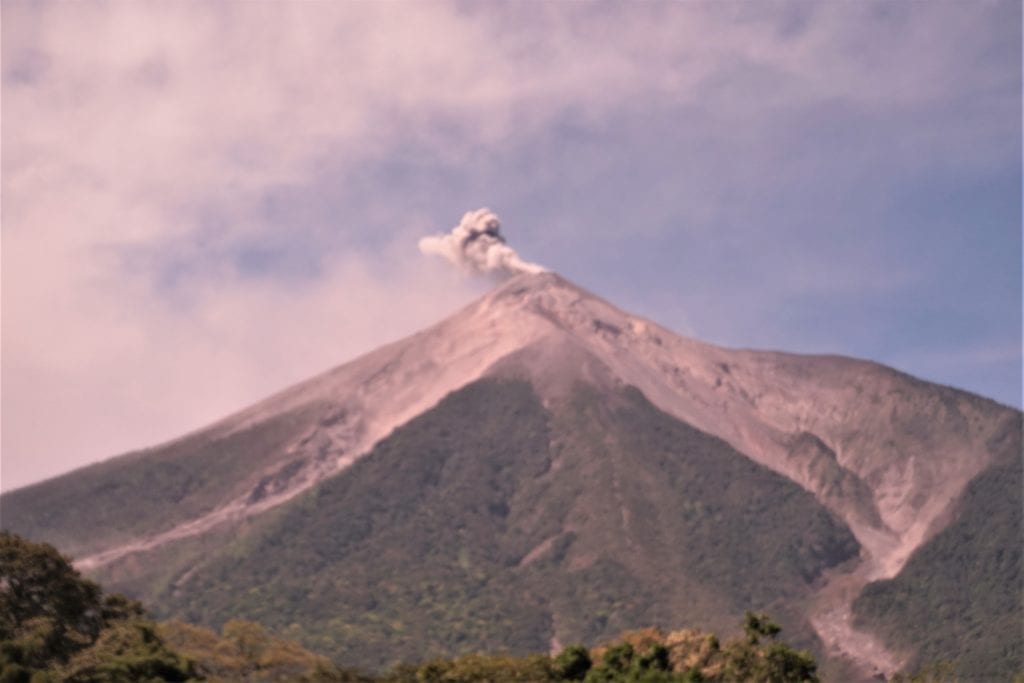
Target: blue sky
204	203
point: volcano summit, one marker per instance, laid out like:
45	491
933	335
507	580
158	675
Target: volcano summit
543	468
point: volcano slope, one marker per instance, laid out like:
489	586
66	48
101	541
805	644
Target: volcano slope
565	514
964	584
490	522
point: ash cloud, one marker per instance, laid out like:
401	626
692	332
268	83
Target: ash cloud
476	246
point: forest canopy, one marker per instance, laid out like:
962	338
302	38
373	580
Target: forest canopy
56	625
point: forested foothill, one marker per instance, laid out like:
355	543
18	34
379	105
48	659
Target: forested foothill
56	625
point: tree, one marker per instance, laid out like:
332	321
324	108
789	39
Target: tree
128	650
47	610
757	625
573	663
750	660
56	625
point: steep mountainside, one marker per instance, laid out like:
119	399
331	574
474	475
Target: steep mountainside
131	499
888	455
490	522
966	585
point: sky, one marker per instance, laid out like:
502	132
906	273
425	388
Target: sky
205	202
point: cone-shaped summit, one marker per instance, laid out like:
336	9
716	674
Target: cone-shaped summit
538	468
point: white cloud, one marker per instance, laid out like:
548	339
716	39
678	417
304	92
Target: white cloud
124	123
106	374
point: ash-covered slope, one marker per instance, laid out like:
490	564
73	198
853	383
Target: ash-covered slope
965	583
889	455
276	449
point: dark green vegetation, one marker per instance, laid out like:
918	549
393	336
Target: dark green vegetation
644	656
491	523
57	626
148	491
960	598
494	523
246	651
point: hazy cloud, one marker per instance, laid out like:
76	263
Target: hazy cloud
143	145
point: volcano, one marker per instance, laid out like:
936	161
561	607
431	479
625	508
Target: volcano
543	468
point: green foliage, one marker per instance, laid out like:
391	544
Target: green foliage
55	625
623	663
647	656
960	598
246	651
47	610
757	626
419	530
483	521
478	668
573	663
60	627
127	651
750	659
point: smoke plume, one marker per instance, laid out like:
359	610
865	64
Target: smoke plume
476	246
